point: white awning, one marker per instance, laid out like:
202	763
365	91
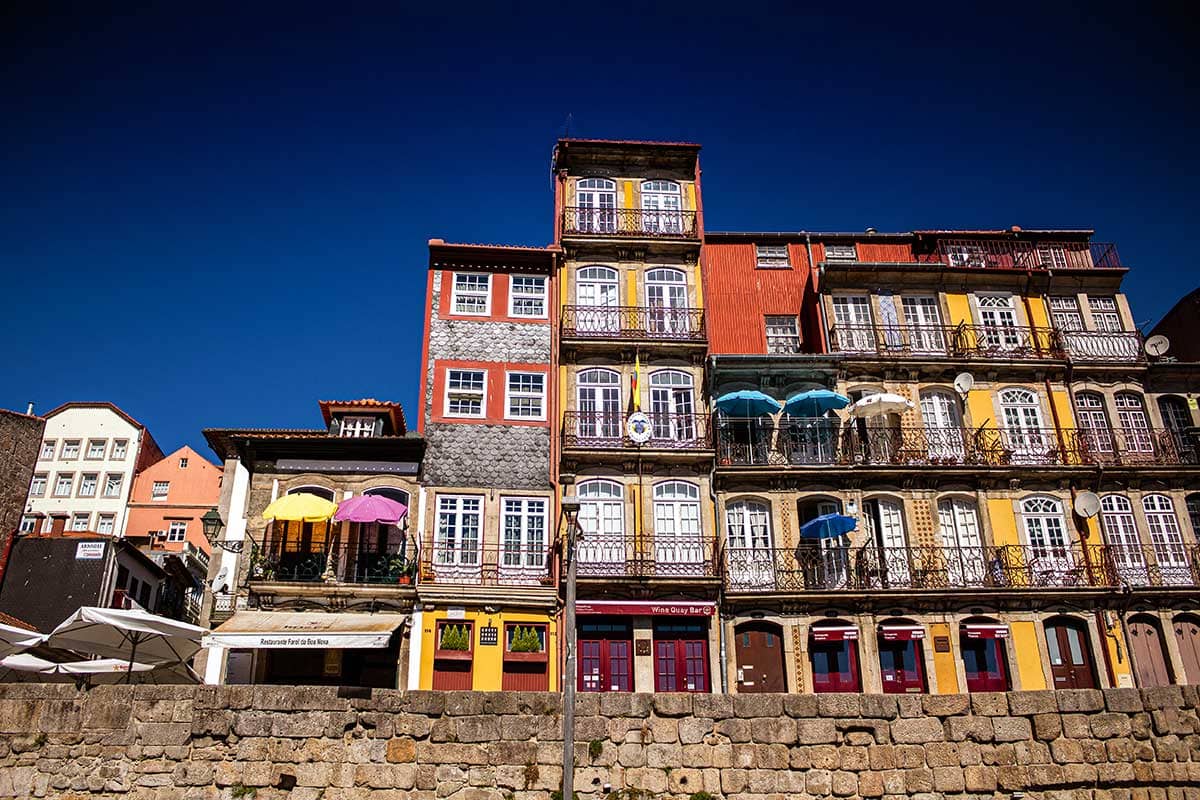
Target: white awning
289	630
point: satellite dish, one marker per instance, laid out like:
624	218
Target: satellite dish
1157	345
1087	504
964	382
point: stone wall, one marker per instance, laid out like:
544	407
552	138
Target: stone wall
20	442
323	743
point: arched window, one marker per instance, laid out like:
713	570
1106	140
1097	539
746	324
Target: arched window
1048	552
382	551
599	395
943	426
1024	433
672	407
981	641
885	528
319	491
1121	536
678	548
296	549
962	545
1134	425
661	207
596	206
1175	413
602	548
748	523
1166	539
597	298
667	299
1093	422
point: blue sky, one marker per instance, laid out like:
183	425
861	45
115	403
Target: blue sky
219	219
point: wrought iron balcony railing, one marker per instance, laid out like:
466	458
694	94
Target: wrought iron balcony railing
999	254
336	562
797	441
1103	345
959	341
814	568
633	322
608	430
487	565
650	556
629	222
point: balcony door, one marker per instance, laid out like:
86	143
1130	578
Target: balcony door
602	518
852	322
678	546
943	427
749	550
1167	540
597	295
662	205
998	322
1134	424
1070	654
924	323
1093	424
962	545
1176	419
1048	554
596	202
457	538
885	529
672	406
667	300
599	394
523	552
1121	536
1026	441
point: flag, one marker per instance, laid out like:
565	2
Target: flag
637	372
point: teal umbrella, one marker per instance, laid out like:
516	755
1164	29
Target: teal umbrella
747	403
815	403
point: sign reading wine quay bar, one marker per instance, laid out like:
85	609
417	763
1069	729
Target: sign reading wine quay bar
666	609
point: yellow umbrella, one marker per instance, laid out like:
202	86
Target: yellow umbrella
301	507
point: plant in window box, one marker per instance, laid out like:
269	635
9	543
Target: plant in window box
454	641
526	644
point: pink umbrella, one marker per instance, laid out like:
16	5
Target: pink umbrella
370	508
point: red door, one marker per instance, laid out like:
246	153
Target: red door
834	657
1070	655
900	666
985	664
681	665
605	657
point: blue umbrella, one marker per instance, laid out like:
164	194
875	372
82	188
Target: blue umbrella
828	526
747	404
815	403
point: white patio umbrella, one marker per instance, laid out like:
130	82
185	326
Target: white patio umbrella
14	640
133	636
875	405
100	670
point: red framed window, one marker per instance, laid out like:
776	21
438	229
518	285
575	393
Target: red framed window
681	657
985	659
605	656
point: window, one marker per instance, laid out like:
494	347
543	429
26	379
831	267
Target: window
37	487
923	319
772	256
96	448
599	398
1167	539
1121	536
183	463
87	484
1048	556
1104	314
177	532
1134	424
1175	413
28	524
749	559
672	411
459	521
853	331
602	521
958	527
667	298
527	297
1093	422
524	534
1065	313
159	490
520	638
841	252
677	541
661	206
120	446
783	334
105	525
1193	509
1052	255
464	392
596	205
357	427
70	449
1021	412
62	486
48	447
79	522
112	484
525	395
472	294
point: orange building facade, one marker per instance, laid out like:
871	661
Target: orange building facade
168	499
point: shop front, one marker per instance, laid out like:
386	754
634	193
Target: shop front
464	648
631	646
985	660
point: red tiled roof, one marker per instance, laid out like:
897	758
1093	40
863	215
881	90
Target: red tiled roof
9	619
525	248
395	410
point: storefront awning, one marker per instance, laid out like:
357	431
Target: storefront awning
681	608
833	633
271	629
984	630
901	633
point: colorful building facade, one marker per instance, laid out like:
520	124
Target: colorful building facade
168	499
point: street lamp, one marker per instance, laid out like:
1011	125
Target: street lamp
570	510
212	529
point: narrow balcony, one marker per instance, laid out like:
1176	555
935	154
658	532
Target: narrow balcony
1103	346
1138	447
1003	254
809	568
1003	343
316	562
648	556
590	430
627	223
487	565
626	323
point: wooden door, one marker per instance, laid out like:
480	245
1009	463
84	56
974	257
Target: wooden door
1149	660
1187	634
759	651
605	665
900	666
984	664
1070	655
835	665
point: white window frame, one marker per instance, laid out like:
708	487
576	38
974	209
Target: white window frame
120	449
76	445
482	393
359	426
80	517
108	480
768	256
49	448
58	479
28	524
83	482
455	554
510	395
91	445
841	252
177	531
773	320
540	297
106	523
34	491
154	493
457	294
528	555
1065	308
183	462
1104	307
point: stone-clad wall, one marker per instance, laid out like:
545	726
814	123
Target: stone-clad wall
309	743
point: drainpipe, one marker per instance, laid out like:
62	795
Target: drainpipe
719	563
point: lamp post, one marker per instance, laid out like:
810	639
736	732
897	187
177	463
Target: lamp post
570	509
211	521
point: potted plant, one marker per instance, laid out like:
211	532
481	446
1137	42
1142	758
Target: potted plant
454	642
403	569
526	644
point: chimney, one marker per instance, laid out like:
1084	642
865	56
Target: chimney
29	409
58	524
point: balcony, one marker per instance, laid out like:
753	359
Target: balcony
487	565
607	431
1007	343
801	442
628	223
1101	346
1001	254
297	562
809	568
649	556
654	323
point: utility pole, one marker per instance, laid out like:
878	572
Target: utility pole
570	508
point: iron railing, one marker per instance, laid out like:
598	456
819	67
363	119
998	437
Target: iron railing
601	555
799	441
813	567
629	222
608	430
999	254
960	341
487	565
1103	345
633	322
340	562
